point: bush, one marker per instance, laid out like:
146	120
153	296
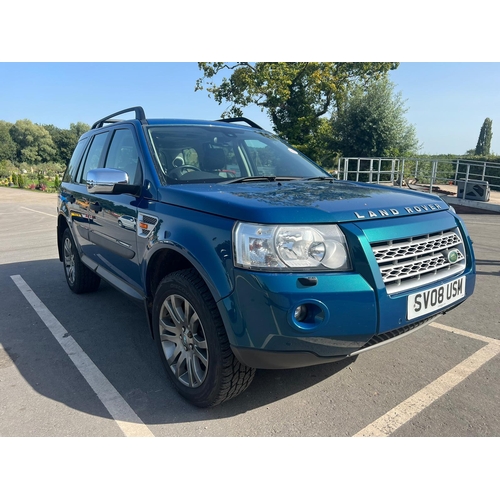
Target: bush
6	169
21	181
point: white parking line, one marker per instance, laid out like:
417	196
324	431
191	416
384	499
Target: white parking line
38	212
402	413
475	336
130	424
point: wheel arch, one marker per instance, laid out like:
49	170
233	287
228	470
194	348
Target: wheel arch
165	261
166	257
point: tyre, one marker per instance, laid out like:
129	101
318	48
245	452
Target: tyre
79	277
193	343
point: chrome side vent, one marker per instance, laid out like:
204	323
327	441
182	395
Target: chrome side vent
145	225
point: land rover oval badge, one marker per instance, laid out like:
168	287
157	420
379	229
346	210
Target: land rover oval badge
451	255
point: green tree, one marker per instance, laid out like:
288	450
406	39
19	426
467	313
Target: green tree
78	129
7	168
295	95
64	141
7	145
484	141
372	123
33	142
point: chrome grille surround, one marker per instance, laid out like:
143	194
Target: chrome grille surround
414	262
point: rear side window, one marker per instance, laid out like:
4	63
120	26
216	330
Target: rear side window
94	155
70	174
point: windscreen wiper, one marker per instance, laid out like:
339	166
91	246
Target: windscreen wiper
261	178
320	178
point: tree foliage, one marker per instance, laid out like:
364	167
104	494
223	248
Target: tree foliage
7	145
65	140
372	123
484	141
26	144
295	95
35	156
33	142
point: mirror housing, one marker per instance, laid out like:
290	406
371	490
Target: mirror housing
110	181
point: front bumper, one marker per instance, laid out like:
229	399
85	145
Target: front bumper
258	358
350	312
263	333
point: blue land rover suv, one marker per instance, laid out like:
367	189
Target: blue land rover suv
248	255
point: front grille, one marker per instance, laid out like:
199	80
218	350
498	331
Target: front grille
413	262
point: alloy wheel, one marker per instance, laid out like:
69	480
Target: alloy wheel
69	260
183	341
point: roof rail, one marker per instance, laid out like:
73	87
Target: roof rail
139	115
241	119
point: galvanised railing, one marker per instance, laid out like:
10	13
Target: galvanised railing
427	171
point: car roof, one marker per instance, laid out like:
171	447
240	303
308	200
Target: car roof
187	121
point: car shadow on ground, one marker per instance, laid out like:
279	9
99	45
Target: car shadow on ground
112	330
482	262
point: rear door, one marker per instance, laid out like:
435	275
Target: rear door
74	195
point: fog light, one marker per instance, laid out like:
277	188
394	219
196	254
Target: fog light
308	316
300	313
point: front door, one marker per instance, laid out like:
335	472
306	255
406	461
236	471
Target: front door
113	217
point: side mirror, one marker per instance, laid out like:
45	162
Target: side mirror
109	181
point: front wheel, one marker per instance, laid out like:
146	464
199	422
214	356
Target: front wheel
193	343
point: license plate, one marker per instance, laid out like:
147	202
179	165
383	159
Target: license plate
422	303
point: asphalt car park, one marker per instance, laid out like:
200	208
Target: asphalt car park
86	365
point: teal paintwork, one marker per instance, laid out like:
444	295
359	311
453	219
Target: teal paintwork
324	201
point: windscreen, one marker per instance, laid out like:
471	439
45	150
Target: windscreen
192	153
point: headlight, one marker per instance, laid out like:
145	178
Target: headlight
274	248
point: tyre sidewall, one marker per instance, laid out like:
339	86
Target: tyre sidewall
85	279
75	285
208	391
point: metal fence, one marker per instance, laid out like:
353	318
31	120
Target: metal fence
428	171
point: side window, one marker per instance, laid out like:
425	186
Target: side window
94	155
70	174
123	155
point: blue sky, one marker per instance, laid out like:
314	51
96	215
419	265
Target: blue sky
447	102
